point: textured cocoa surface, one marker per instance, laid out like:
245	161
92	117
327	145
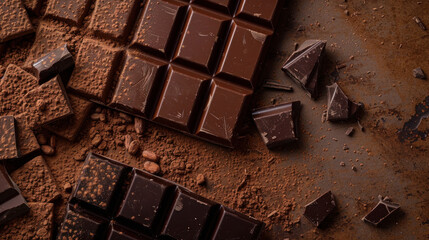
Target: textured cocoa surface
14	21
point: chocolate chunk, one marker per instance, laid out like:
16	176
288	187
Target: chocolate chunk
350	131
137	88
339	105
188	216
304	64
36	181
140	208
166	16
262	12
181	99
69	127
37	224
278	125
93	73
8	145
47	103
234	225
241	58
114	18
418	73
53	64
71	11
14	21
218	123
8	189
78	225
13	208
99	183
381	211
318	210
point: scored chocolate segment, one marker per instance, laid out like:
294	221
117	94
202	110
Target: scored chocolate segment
203	30
80	226
69	127
318	210
53	63
258	11
117	232
145	200
188	216
242	53
99	183
180	101
226	6
8	145
218	122
234	225
93	73
278	125
159	25
139	84
14	21
72	11
47	103
114	18
8	188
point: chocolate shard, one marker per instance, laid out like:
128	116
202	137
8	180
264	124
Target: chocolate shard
53	63
278	125
319	209
8	188
381	211
8	143
13	208
418	73
340	107
304	64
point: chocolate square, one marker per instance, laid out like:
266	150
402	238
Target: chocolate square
8	145
181	98
14	21
319	209
78	225
93	74
262	12
381	211
71	11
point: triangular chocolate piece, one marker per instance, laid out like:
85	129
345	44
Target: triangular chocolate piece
303	65
381	211
339	105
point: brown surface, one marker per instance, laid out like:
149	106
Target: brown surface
27	142
8	146
35	181
47	103
72	11
275	186
14	21
33	5
35	225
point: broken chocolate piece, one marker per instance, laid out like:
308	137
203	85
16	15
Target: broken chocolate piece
53	64
71	11
304	64
339	105
350	131
14	21
47	103
318	210
8	188
381	211
418	73
278	125
13	208
8	145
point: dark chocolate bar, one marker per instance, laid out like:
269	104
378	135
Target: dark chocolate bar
304	64
339	105
318	210
111	198
278	125
14	21
8	143
52	64
381	211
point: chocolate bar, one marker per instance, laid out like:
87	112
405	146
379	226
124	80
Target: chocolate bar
304	64
278	125
12	204
47	103
8	145
339	105
381	211
14	21
318	210
52	64
112	198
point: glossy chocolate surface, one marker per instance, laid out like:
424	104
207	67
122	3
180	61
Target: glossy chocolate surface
319	209
278	124
340	107
53	63
140	205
